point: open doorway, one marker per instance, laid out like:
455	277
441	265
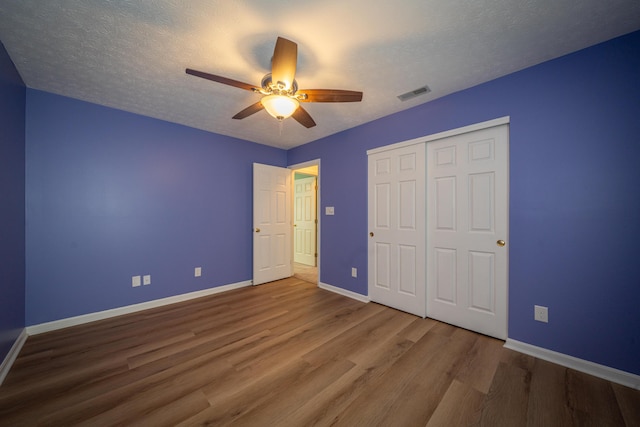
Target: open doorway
306	224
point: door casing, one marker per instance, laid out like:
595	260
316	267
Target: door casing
315	162
305	220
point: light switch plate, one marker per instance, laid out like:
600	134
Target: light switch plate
146	280
329	210
197	272
135	281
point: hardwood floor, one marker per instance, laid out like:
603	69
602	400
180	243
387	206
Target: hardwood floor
290	354
305	272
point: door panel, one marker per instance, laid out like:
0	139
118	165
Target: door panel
445	275
383	265
382	201
397	223
481	281
481	199
272	239
467	212
407	257
445	200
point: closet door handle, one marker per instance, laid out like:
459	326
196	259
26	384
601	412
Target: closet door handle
371	233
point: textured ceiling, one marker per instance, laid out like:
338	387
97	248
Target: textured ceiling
131	54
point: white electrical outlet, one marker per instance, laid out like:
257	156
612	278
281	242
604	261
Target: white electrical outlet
540	313
135	281
329	210
354	272
197	272
146	280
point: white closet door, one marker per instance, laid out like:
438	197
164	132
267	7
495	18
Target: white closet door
396	249
467	242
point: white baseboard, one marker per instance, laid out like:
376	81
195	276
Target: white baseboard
7	363
601	371
344	292
100	315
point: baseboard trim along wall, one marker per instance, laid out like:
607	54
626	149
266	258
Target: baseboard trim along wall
601	371
100	315
7	363
344	292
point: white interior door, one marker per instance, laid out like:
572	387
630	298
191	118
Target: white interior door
272	239
467	214
304	196
396	249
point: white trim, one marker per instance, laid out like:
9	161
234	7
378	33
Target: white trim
306	164
344	292
7	363
453	132
100	315
601	371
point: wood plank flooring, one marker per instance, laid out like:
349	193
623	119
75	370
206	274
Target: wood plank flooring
305	272
290	354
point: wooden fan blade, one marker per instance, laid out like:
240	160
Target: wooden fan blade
252	109
303	117
331	95
283	63
220	79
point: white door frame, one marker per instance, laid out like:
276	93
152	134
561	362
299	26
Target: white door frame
300	224
314	162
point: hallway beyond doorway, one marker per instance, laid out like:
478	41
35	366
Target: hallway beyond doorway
305	272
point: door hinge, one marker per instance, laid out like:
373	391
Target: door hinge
315	255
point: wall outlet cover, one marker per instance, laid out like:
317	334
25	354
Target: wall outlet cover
146	280
541	313
135	281
197	272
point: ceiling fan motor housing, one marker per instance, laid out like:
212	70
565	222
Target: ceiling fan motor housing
278	88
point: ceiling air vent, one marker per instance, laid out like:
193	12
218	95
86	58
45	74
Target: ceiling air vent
416	92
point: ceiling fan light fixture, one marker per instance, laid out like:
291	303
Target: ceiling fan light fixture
280	106
279	88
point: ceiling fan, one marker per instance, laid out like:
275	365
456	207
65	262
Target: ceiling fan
281	95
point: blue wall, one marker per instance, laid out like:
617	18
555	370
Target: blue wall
111	194
574	197
12	164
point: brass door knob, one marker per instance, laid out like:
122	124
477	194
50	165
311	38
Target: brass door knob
371	234
257	230
500	243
